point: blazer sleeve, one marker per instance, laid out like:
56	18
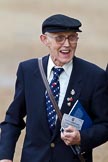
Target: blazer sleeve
13	124
98	133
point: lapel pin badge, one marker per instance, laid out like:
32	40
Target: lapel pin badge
72	92
69	104
70	99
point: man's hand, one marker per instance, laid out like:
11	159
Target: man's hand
5	160
71	136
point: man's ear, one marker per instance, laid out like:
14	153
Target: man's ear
44	39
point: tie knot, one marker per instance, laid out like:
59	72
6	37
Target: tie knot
57	71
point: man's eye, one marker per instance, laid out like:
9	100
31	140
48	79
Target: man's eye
60	38
72	37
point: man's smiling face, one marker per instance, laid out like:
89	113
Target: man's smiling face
61	45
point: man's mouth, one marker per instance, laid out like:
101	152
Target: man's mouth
65	51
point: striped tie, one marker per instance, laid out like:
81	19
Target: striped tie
55	87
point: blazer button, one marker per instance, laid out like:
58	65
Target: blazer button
52	145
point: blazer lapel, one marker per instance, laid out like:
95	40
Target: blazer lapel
40	84
73	91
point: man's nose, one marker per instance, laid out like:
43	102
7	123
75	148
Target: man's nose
66	42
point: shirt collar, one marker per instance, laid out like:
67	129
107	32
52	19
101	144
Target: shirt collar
67	67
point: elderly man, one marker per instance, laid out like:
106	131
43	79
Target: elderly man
74	79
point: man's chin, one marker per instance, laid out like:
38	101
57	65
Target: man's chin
64	61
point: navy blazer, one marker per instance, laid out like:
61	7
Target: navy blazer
89	83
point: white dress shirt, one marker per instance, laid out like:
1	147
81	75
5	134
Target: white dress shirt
63	79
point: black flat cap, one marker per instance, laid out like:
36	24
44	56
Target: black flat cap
60	23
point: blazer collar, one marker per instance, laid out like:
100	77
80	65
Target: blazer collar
74	87
45	63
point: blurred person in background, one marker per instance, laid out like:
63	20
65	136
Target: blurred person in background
107	70
79	80
107	74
